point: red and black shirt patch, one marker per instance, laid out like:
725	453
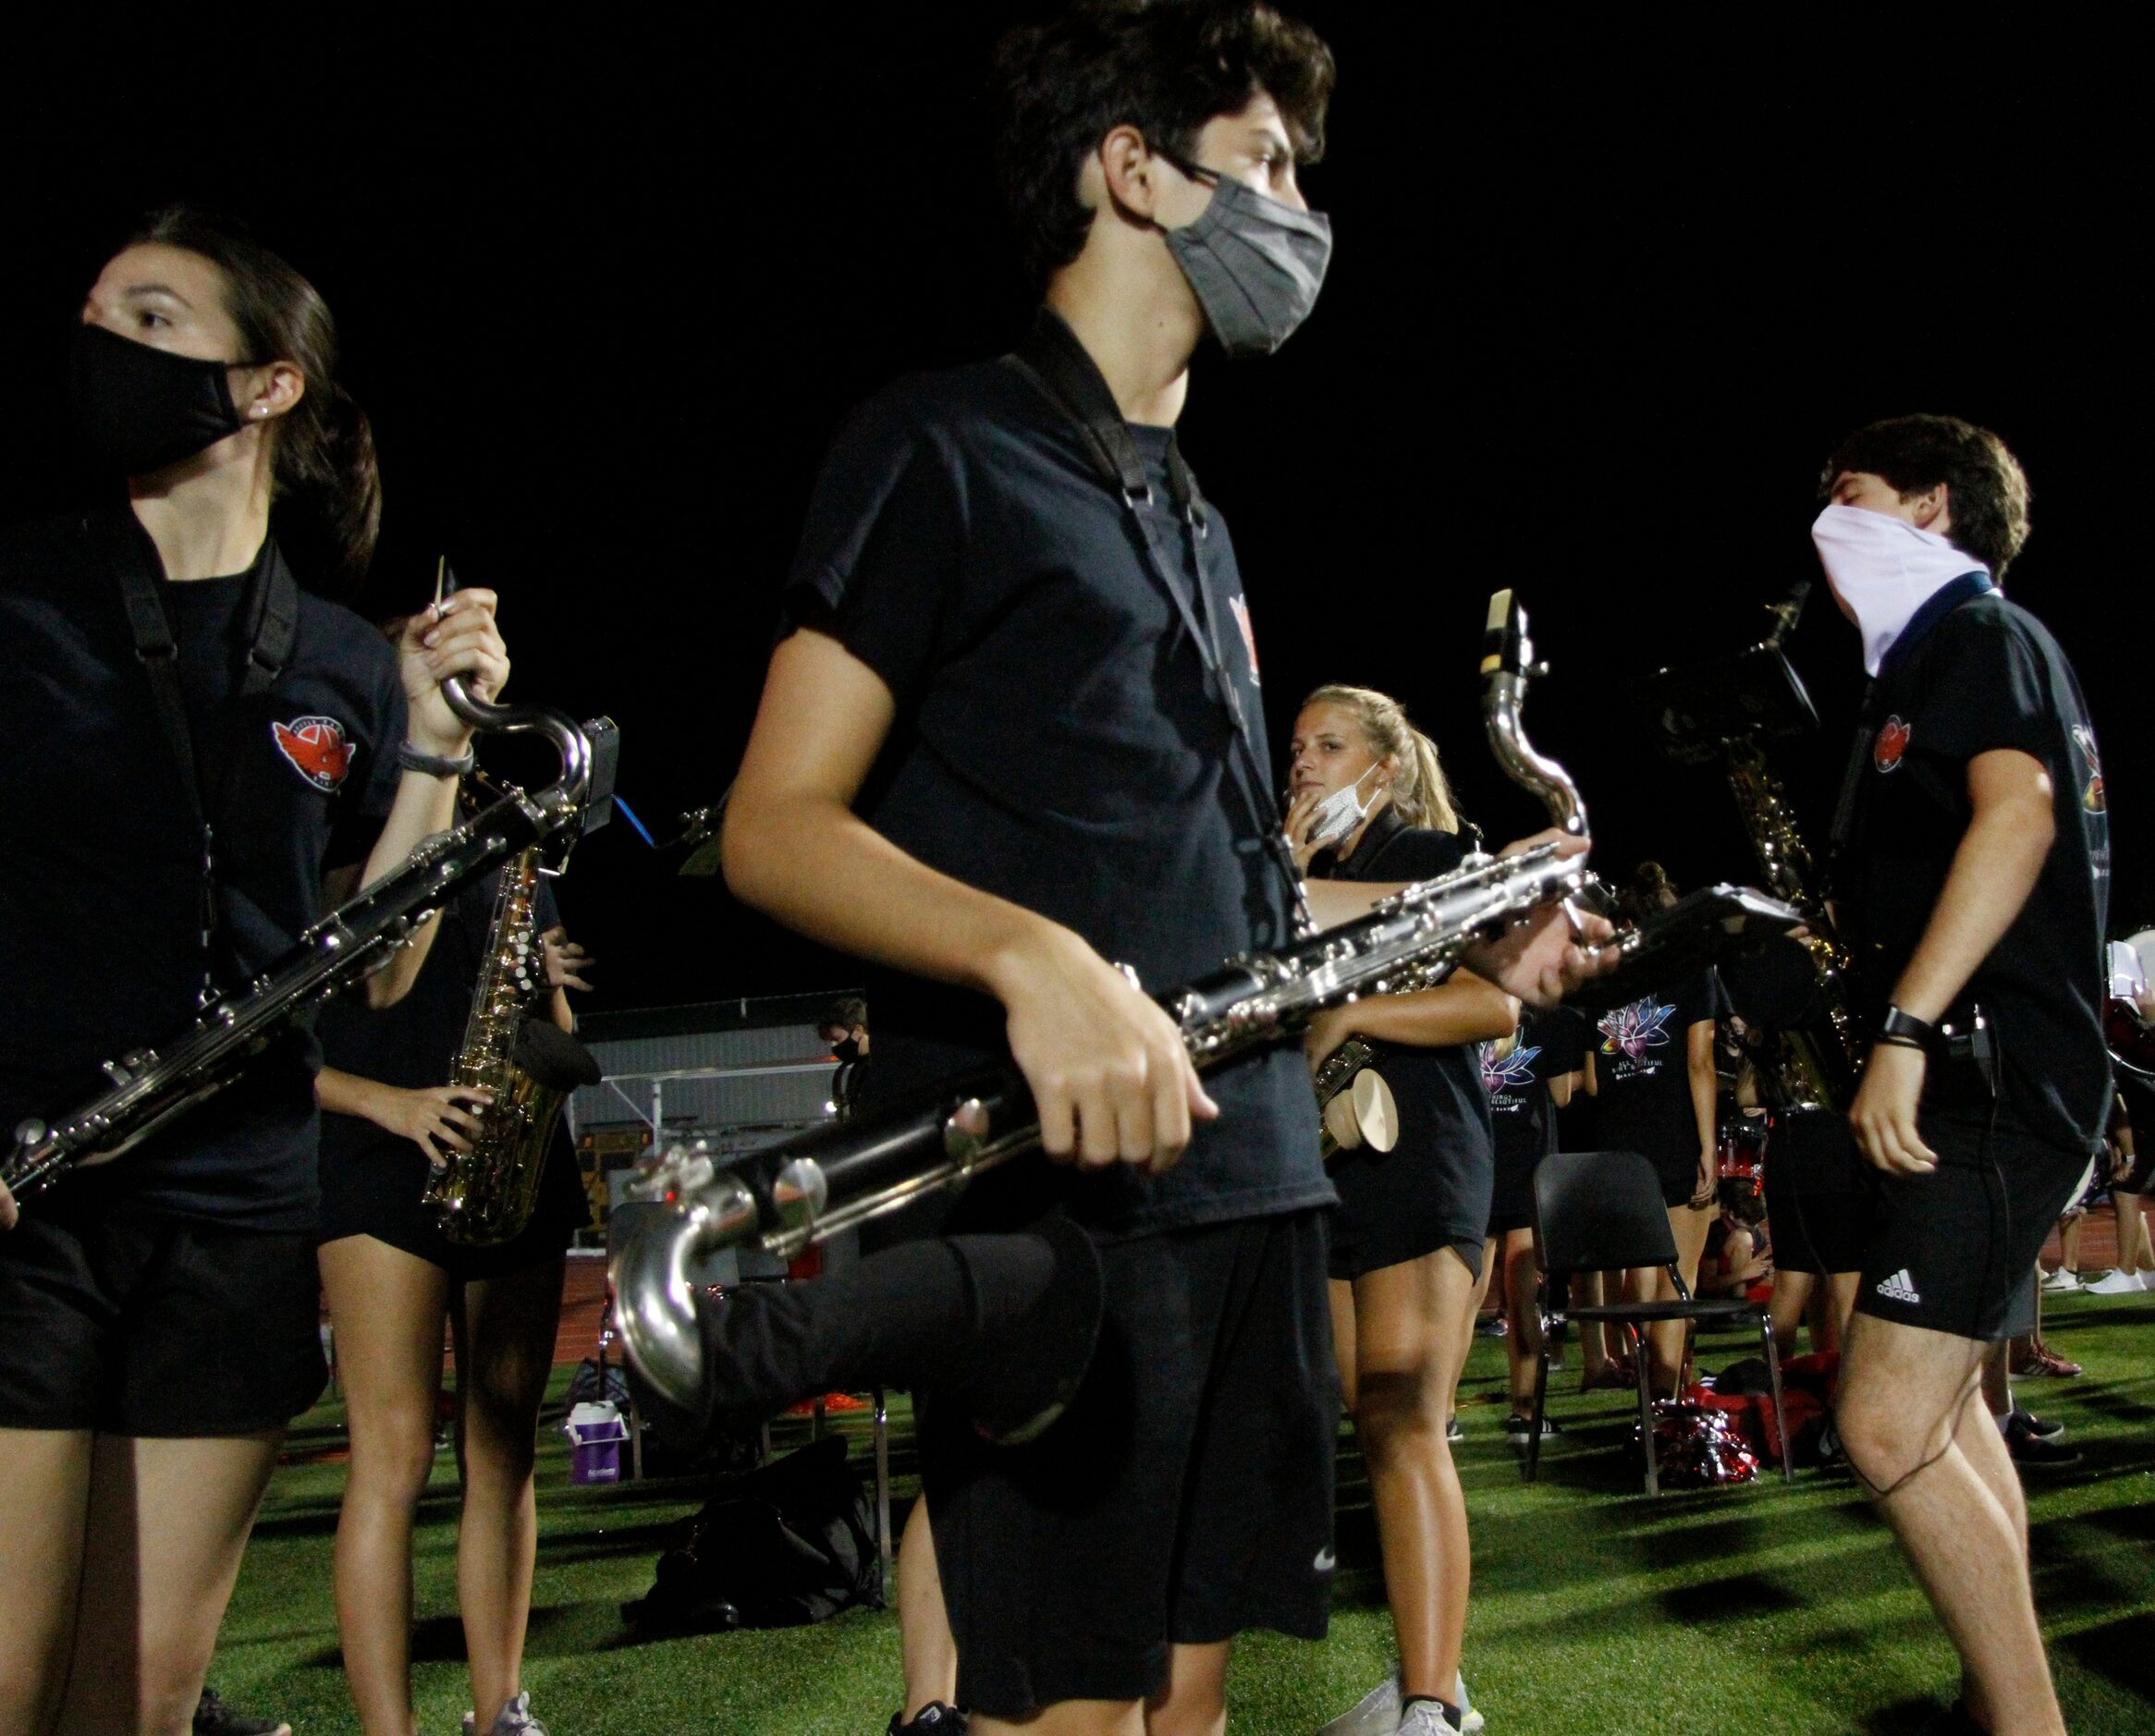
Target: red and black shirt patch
316	748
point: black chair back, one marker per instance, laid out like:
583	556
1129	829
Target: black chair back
1598	1211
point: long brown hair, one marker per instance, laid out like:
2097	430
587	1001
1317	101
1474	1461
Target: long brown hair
321	455
1420	792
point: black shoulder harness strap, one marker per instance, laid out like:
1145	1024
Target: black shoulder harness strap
271	612
1055	364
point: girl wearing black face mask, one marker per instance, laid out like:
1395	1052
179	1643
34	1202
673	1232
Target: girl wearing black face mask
205	733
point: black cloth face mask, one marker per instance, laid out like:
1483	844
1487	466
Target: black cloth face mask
139	409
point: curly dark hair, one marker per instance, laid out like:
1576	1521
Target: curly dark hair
1164	66
1646	893
1987	492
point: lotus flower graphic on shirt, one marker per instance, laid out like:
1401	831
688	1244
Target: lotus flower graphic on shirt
1635	1029
1512	1072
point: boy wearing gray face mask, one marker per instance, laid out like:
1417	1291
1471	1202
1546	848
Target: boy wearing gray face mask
1011	598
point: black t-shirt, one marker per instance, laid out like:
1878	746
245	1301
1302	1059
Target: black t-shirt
1522	1113
1440	1093
101	879
1642	1074
1057	744
1980	676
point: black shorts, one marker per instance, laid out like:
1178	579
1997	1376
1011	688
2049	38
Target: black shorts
1511	1192
1953	1250
1185	1495
1678	1174
1397	1205
1819	1193
375	1185
150	1326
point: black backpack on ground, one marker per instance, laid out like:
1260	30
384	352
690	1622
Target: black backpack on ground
791	1543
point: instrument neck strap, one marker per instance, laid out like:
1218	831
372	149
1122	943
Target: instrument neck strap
1056	365
270	611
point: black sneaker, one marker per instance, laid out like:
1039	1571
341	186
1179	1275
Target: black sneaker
214	1718
935	1719
1519	1425
2031	1452
2037	1426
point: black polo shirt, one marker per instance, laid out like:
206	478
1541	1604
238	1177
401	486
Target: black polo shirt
1056	744
1642	1073
101	879
1974	673
1444	1111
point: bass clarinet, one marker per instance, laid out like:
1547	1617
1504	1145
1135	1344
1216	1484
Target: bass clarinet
152	1087
839	1176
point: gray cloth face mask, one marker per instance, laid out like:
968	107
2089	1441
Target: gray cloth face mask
1256	264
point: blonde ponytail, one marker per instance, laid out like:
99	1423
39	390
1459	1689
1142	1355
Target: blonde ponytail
1420	792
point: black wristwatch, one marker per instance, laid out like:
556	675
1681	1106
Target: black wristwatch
434	765
1904	1031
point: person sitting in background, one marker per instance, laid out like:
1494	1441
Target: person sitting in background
1738	1260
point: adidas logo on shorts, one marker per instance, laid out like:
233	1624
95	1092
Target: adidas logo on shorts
1899	1288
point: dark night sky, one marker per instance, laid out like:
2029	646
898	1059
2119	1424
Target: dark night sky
1598	311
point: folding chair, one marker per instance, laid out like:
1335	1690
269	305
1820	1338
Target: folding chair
1599	1211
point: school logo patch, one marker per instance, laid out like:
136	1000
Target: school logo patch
316	748
1891	744
1242	620
2091	796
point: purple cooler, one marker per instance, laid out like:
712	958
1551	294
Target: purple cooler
596	1433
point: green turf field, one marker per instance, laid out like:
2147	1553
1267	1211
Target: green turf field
1749	1612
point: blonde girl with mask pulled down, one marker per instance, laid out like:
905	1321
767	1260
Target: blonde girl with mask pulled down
1370	801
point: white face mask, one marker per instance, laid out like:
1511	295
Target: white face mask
1884	568
1339	813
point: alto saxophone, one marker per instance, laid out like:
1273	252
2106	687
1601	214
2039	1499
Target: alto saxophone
529	1065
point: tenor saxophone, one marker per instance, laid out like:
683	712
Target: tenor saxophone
529	1066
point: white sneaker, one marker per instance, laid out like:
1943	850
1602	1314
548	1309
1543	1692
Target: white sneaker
1425	1718
2062	1282
1470	1720
1377	1713
2119	1283
513	1719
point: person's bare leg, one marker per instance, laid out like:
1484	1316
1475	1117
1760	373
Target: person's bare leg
2069	1244
1791	1302
1585	1292
2136	1252
1194	1702
167	1525
42	1522
1906	1399
505	1350
1522	1341
925	1646
1840	1288
1406	1322
387	1308
1467	1326
1668	1340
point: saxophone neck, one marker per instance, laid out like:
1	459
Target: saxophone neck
1507	666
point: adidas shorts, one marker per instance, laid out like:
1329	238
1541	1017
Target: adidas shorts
1952	1250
